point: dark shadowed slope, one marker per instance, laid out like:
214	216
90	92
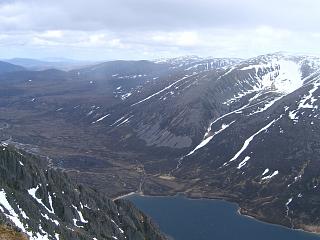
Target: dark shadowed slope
44	204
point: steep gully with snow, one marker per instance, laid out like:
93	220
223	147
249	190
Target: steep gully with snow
242	130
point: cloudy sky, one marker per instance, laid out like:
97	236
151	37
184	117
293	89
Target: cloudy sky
148	29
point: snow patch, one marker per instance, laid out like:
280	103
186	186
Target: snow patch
125	96
247	142
162	90
244	162
271	176
32	192
208	139
265	172
80	216
287	205
124	121
100	119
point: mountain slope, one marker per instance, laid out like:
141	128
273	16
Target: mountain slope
45	204
264	152
248	133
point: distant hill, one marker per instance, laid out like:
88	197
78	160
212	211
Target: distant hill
6	67
61	64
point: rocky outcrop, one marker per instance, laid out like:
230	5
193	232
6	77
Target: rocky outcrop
44	204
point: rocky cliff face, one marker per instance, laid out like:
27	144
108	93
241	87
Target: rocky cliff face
44	204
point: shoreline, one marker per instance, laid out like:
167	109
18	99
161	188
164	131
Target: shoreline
274	224
123	196
225	199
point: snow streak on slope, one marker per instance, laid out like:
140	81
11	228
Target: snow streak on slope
271	175
100	119
120	119
124	121
208	139
265	171
247	142
162	90
287	205
239	110
244	162
32	192
80	216
267	105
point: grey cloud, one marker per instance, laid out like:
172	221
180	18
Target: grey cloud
164	15
156	28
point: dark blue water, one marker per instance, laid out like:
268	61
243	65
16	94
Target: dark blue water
186	219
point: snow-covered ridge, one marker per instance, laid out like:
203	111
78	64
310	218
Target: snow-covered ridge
276	72
281	75
189	63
